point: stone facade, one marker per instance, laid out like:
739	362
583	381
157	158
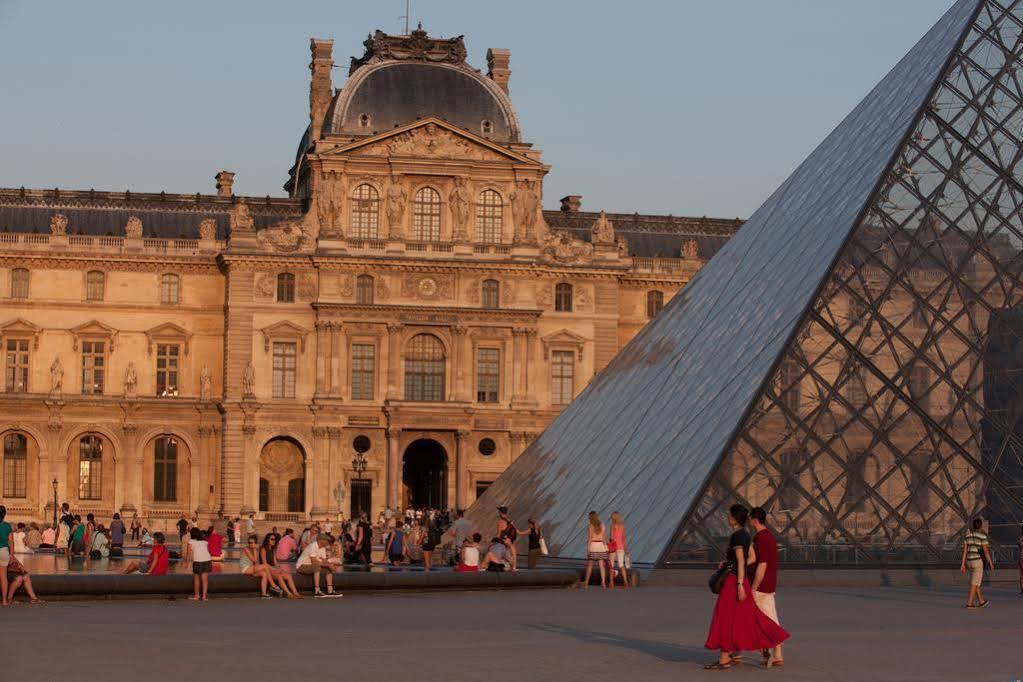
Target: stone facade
394	332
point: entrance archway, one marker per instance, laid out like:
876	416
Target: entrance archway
424	475
282	476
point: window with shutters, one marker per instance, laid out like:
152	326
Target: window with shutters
363	371
426	215
488	375
284	364
365	212
562	377
165	469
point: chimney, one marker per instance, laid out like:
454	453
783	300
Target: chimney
497	66
225	183
319	85
572	203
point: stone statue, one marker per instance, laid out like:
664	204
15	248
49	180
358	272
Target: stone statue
205	383
241	219
56	376
133	228
460	201
525	205
208	229
397	196
690	250
249	380
131	379
328	205
603	230
58	225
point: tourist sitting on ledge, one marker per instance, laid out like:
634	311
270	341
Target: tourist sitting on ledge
17	576
497	560
34	539
215	542
155	564
268	558
49	538
313	561
287	546
469	559
147	539
18	545
99	544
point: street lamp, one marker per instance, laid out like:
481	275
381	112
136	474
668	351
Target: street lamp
54	503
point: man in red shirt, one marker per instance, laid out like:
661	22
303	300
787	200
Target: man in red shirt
765	577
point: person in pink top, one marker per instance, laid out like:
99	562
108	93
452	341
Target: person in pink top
617	549
286	546
215	542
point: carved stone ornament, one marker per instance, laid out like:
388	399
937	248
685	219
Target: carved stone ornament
507	294
417	46
474	293
205	383
249	381
525	204
328	200
133	228
397	197
131	379
623	247
603	231
460	201
561	247
58	225
382	292
240	219
56	376
346	286
306	287
208	229
690	250
584	297
544	295
286	236
266	285
427	286
429	140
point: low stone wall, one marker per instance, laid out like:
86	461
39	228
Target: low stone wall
104	585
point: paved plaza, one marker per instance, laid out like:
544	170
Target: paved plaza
651	633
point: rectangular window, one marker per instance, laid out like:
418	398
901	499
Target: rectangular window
284	370
488	375
562	377
169	285
364	358
94	284
166	370
93	366
17	366
481	487
362	497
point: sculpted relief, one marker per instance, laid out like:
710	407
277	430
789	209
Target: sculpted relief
460	201
328	205
561	247
525	202
397	196
429	140
428	286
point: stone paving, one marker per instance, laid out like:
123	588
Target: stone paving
650	633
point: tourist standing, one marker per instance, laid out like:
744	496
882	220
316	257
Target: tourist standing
396	546
183	534
198	554
77	547
976	552
535	536
215	543
738	625
250	525
313	561
508	533
364	541
596	549
136	528
117	532
617	549
5	551
430	538
765	576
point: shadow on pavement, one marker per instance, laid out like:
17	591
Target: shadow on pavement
671	653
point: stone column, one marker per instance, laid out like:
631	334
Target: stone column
531	362
319	482
462	468
250	499
394	360
339	361
518	364
462	368
322	352
336	473
393	467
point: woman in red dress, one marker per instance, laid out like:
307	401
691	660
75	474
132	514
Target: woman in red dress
738	625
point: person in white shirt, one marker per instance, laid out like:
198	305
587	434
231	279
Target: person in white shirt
198	554
313	561
18	545
250	525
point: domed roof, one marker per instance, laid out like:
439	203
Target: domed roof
405	78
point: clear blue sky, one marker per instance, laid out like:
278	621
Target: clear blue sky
686	107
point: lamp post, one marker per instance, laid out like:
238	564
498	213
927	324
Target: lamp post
54	503
359	464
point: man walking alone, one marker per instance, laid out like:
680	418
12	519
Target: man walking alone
765	576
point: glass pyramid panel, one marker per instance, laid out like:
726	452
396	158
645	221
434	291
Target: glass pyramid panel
894	417
647	435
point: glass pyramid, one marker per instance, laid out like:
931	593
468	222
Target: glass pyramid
852	360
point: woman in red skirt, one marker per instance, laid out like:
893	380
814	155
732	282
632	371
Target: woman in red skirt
738	625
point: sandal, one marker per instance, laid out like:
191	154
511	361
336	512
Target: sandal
718	665
736	659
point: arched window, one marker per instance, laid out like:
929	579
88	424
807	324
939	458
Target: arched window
424	368
94	285
654	303
15	465
426	215
364	290
165	469
285	288
491	293
19	283
264	494
90	468
489	217
563	297
365	212
169	286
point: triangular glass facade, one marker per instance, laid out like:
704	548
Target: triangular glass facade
852	359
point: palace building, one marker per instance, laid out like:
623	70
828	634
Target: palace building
395	331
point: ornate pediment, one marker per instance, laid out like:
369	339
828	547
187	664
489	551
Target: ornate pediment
561	247
284	331
22	328
432	138
563	338
94	329
168	332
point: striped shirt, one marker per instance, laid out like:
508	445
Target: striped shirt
975	542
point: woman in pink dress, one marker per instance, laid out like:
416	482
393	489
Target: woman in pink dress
617	550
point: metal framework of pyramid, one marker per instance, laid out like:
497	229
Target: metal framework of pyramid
852	360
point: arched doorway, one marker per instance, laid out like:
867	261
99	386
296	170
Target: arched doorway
282	476
424	475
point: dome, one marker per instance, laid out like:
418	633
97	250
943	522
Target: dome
386	94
